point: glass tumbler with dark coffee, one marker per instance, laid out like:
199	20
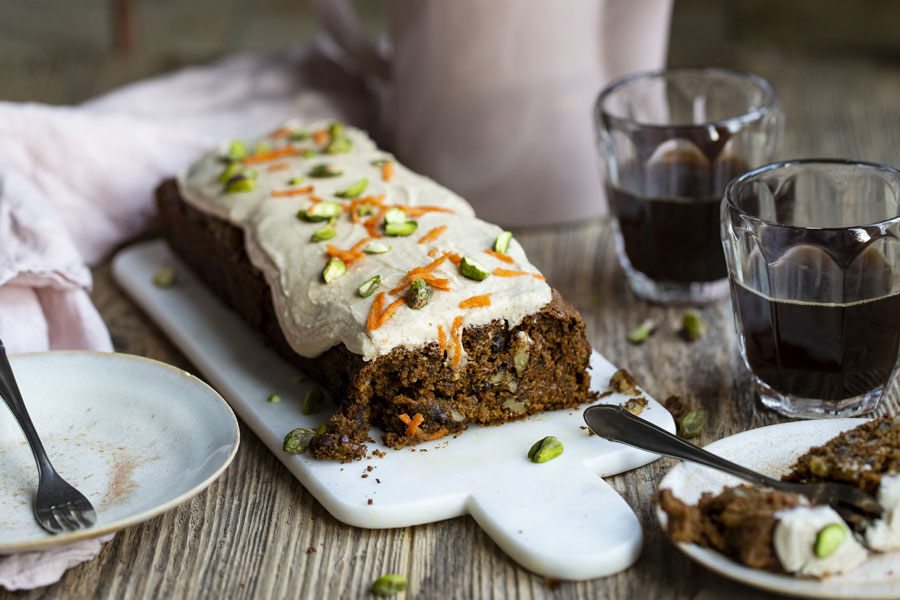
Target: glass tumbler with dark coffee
813	252
671	141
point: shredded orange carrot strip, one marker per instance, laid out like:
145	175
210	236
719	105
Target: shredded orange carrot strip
435	282
356	202
375	312
454	258
349	257
414	423
434	435
507	273
457	340
418	211
442	339
295	192
539	276
320	136
315	199
498	256
281	132
387	171
432	252
404	418
372	223
359	245
390	310
476	301
278	167
270	155
433	234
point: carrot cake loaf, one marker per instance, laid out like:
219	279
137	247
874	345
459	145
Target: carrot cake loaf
378	283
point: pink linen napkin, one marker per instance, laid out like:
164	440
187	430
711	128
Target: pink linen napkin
76	181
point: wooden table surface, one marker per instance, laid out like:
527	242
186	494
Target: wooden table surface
257	533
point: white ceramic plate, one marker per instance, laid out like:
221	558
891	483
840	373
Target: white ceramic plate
559	519
772	451
134	435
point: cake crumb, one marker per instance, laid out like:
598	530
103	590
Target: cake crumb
676	406
364	475
310	550
370	468
377	480
370	501
636	405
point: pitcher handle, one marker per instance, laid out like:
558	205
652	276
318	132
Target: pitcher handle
340	21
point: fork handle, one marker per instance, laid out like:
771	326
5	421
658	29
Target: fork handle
616	424
9	391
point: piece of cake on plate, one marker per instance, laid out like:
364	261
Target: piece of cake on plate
378	283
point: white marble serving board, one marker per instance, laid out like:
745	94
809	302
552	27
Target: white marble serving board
558	519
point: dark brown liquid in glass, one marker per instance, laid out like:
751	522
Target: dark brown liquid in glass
828	352
668	216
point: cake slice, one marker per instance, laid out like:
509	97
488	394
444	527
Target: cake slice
378	283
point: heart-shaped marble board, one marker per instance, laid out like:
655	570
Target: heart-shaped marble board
558	519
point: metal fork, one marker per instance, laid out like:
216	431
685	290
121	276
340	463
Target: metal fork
618	425
58	507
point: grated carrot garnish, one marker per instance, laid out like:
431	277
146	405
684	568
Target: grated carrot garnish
359	245
375	312
433	234
356	202
507	273
371	223
390	310
281	132
476	301
414	423
295	192
456	333
539	276
418	211
434	434
387	171
453	257
432	252
348	256
404	418
442	339
320	136
278	167
315	199
270	155
435	282
498	256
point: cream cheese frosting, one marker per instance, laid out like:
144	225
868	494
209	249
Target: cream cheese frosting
794	540
315	315
884	534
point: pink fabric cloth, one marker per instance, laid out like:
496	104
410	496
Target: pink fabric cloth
75	182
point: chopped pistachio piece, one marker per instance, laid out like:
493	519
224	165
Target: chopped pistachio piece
309	153
829	539
274	398
368	287
354	190
692	326
164	277
326	233
240	183
376	248
261	147
395	215
323	211
334	269
233	168
419	294
471	269
325	171
501	244
237	150
545	449
321	428
691	424
365	210
296	180
336	128
639	334
299	136
339	144
297	441
401	229
388	585
622	381
314	400
380	162
249	173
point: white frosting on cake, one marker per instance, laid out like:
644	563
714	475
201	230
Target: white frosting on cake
884	534
315	315
794	540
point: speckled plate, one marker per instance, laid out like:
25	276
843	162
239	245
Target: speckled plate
135	435
772	450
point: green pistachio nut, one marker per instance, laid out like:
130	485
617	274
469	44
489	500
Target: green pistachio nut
395	215
261	147
240	183
334	269
338	145
310	153
299	136
321	428
237	150
401	229
354	190
829	539
274	399
296	180
376	248
692	326
419	294
335	129
379	163
326	233
365	210
323	211
326	170
471	269
233	168
639	334
692	423
545	449
315	399
164	277
388	585
297	441
368	287
501	244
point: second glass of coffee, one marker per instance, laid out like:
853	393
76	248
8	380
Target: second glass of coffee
670	142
